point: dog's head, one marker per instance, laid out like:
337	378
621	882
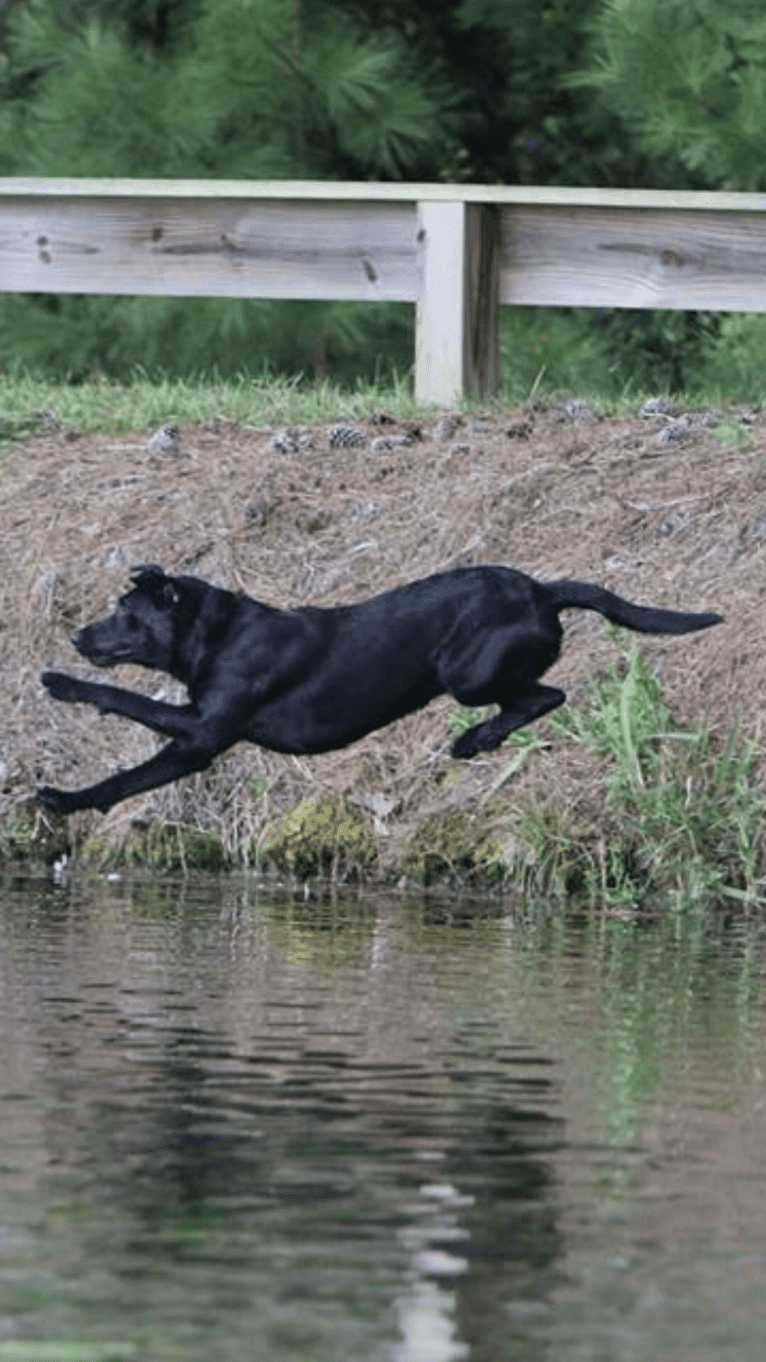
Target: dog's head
142	628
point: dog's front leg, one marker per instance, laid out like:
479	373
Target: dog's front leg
175	721
175	760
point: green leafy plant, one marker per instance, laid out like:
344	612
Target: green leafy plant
688	78
684	811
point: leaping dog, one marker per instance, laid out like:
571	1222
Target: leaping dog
311	680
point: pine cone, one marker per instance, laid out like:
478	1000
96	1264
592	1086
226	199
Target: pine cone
344	434
291	440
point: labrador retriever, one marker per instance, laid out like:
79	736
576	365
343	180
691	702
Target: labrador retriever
311	679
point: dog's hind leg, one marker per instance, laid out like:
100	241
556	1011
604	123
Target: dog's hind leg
523	709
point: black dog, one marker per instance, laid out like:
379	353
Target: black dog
310	680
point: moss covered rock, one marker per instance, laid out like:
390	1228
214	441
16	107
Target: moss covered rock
452	844
323	836
156	846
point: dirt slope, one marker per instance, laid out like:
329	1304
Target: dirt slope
665	509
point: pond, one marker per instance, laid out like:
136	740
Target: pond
241	1126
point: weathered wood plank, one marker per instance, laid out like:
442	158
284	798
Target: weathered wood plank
345	190
213	247
456	349
440	314
642	258
482	353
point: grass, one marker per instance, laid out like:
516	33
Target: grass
683	812
542	358
28	404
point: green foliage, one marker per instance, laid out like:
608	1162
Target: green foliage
688	78
248	88
606	353
82	101
734	371
512	119
686	811
76	338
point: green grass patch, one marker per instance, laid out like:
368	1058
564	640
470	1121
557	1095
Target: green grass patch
684	812
677	818
64	1350
155	846
29	404
452	846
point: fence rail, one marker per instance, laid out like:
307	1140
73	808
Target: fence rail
456	251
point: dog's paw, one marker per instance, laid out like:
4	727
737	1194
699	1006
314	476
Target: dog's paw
61	686
55	801
466	745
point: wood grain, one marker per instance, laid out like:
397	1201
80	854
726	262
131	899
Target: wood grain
210	247
376	191
641	257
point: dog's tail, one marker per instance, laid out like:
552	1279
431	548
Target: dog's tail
643	618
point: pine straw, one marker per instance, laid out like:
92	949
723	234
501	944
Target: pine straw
679	524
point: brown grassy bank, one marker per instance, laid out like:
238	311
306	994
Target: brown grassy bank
666	511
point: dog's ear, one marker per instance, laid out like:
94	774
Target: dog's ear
150	577
147	574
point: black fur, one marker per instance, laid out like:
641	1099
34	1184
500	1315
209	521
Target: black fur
311	680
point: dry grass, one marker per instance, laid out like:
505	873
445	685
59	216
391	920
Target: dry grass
668	521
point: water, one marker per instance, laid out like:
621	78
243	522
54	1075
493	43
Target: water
234	1127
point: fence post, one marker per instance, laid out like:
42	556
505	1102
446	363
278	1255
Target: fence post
456	349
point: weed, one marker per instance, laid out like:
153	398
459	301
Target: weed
683	811
156	846
546	854
460	720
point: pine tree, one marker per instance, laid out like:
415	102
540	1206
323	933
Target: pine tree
688	79
239	88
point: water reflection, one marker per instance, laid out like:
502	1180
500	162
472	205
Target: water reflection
238	1127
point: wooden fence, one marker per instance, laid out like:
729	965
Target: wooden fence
455	251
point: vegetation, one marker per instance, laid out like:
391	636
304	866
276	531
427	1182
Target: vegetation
677	818
682	816
325	836
29	404
686	77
